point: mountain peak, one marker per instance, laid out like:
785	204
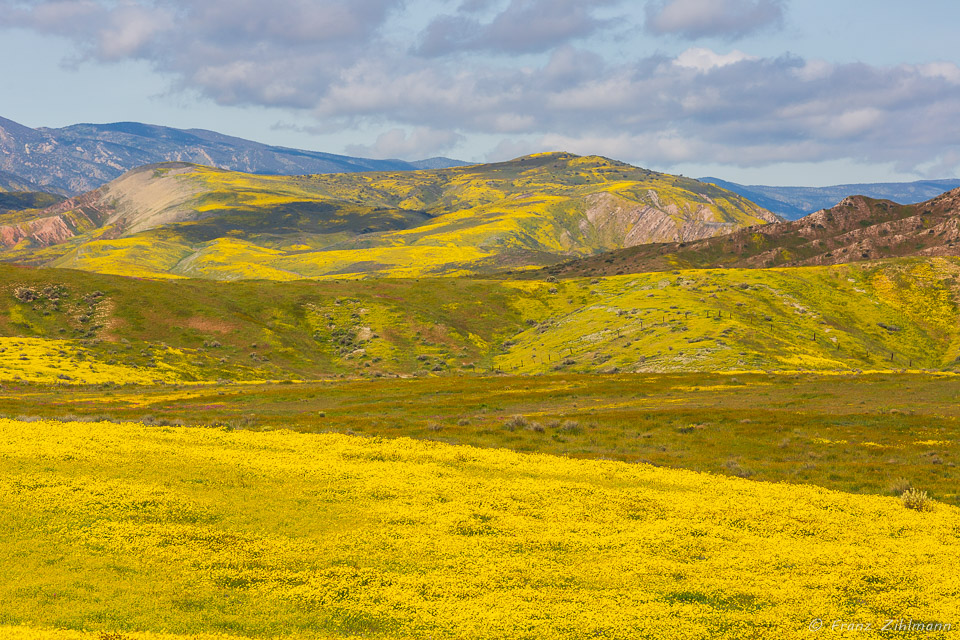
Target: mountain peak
82	157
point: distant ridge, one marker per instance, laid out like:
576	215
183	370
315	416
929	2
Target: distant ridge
83	157
855	230
439	163
795	202
10	182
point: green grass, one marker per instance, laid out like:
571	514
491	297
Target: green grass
856	433
885	316
24	200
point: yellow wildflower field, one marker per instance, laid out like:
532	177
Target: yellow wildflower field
124	528
43	360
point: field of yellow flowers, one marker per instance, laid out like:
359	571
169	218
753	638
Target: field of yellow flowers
117	530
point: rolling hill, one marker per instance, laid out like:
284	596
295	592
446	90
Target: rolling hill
179	220
795	202
15	201
81	157
74	327
857	229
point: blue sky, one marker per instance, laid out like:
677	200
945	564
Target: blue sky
756	91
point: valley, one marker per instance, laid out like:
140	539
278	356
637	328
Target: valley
523	399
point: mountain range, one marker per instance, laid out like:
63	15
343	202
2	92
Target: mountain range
857	229
78	158
81	157
181	219
793	203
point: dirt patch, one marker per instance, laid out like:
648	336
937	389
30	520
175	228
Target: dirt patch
215	325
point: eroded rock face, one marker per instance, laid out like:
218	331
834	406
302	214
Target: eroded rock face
620	222
135	202
856	229
40	232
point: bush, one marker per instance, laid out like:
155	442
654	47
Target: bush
516	422
916	499
571	426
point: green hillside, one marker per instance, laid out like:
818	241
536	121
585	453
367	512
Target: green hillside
182	220
69	326
23	200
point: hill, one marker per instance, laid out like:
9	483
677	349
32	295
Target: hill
187	220
15	201
793	203
67	326
857	229
81	157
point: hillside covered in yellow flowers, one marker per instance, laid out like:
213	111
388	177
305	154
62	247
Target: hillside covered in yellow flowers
70	327
181	220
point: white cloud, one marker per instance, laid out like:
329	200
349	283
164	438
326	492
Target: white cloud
524	26
708	18
946	70
706	59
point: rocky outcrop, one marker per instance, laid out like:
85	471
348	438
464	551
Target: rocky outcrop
856	229
621	222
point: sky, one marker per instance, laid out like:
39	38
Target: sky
785	92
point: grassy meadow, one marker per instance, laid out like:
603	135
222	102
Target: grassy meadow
867	433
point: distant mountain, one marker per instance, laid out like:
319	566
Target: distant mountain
438	163
181	219
10	182
795	202
857	229
83	157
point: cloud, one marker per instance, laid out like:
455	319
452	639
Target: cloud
422	142
701	106
728	19
280	53
331	62
706	59
524	26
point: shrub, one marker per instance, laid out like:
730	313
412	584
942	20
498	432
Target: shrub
571	426
916	499
516	422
